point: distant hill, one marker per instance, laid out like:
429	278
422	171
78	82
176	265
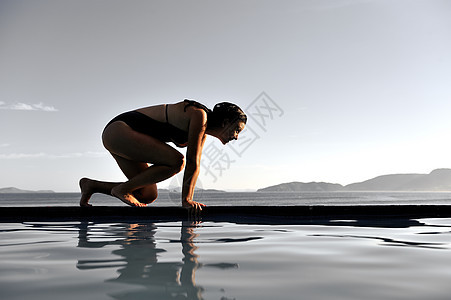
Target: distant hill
385	182
437	180
303	187
13	190
198	190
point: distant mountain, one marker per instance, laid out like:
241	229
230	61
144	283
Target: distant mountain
303	187
179	190
437	180
13	190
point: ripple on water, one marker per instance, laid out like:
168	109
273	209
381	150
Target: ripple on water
343	260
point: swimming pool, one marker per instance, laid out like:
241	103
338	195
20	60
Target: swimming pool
337	259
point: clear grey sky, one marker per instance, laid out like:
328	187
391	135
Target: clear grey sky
363	87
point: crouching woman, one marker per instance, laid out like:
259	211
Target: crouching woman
138	141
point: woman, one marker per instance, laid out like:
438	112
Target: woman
138	142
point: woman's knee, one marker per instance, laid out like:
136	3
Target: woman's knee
146	194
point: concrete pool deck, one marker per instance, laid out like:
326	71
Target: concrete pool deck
237	214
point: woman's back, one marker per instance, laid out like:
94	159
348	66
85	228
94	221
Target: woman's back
177	114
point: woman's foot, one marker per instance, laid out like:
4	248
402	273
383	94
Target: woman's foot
86	191
126	196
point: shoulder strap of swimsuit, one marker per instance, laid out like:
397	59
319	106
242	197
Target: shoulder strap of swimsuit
196	104
167	121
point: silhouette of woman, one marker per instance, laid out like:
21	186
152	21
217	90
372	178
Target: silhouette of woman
137	140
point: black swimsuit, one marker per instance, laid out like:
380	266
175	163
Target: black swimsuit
165	132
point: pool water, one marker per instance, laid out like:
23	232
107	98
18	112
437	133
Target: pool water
338	259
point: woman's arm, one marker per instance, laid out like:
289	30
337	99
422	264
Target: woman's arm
196	140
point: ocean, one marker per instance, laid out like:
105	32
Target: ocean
209	198
144	259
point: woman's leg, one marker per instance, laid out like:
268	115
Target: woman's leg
89	187
146	194
132	151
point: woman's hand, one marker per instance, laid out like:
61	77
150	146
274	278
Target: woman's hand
194	208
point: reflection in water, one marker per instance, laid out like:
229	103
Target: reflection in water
346	260
390	242
138	263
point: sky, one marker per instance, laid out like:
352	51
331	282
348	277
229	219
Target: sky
337	91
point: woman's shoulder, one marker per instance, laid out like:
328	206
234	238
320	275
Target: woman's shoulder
195	112
191	108
196	105
180	115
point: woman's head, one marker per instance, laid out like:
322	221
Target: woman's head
225	111
225	121
228	119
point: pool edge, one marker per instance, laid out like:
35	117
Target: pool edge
280	214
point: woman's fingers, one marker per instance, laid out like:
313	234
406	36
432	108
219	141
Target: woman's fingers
195	209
